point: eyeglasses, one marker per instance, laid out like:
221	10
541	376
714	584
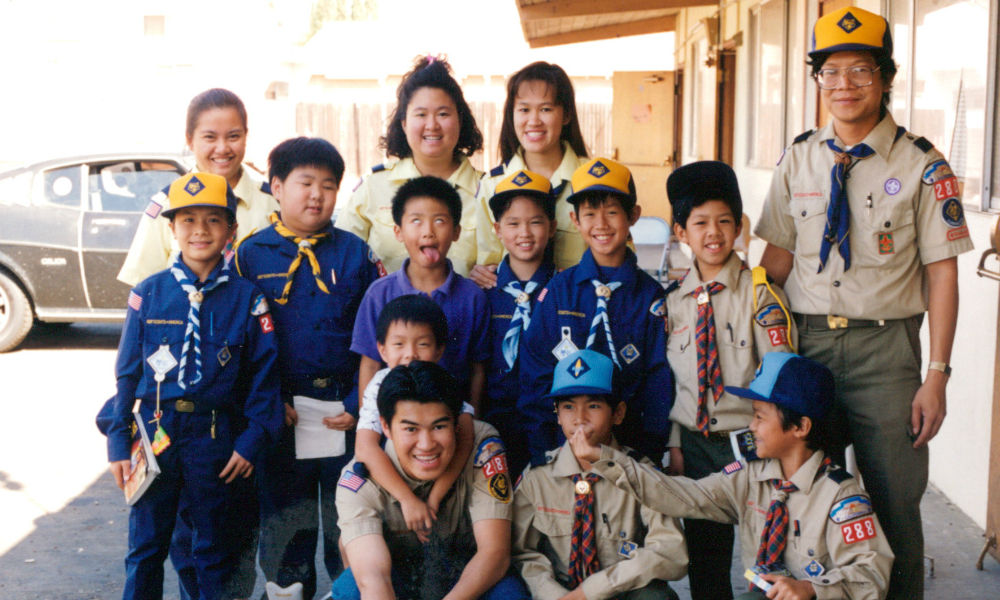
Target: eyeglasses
829	79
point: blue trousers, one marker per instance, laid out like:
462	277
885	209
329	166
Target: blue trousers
509	588
189	486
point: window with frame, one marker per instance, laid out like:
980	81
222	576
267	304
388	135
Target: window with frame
767	73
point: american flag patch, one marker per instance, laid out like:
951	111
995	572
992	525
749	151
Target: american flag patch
153	209
351	481
732	467
134	301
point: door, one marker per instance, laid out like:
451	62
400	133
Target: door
642	134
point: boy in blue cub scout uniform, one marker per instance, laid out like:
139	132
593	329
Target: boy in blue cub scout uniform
525	223
197	350
314	277
605	303
722	318
806	527
561	547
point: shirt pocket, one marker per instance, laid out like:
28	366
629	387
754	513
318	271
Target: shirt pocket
887	233
810	221
155	335
221	355
558	529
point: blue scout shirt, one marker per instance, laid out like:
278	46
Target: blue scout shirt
645	382
238	350
503	387
313	328
465	307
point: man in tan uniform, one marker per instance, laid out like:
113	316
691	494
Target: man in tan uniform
864	223
805	525
468	554
637	549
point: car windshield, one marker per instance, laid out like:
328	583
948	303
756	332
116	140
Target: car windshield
128	186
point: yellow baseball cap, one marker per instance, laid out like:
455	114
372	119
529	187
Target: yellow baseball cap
851	28
521	183
200	189
602	175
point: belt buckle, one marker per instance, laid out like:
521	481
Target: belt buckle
184	406
321	382
836	322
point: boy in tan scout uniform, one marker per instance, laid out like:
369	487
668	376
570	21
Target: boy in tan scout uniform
562	511
722	317
468	554
806	527
864	223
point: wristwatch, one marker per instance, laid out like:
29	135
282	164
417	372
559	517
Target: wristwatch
940	366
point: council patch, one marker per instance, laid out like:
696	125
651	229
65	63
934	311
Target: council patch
770	315
850	508
499	486
487	449
952	213
937	171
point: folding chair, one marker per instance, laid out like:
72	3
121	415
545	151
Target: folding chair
651	236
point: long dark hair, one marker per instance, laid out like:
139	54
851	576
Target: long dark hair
557	79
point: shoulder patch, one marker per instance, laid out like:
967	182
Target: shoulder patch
351	481
375	260
937	171
770	315
658	308
487	449
265	187
803	136
378	167
923	144
499	486
259	306
838	474
732	467
850	508
153	209
496	171
134	301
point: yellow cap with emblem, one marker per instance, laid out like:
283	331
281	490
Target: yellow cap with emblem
520	183
851	29
200	189
602	175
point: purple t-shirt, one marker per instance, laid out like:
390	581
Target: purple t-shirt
465	307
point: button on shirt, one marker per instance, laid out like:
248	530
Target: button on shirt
314	328
637	328
238	348
897	225
742	336
368	213
154	245
465	307
568	243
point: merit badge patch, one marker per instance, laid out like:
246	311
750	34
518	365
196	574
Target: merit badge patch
626	548
266	324
952	213
259	306
814	569
770	315
134	301
224	355
658	308
500	487
153	209
850	508
732	467
629	353
885	243
892	186
946	188
957	233
937	171
777	335
495	465
487	449
858	531
351	481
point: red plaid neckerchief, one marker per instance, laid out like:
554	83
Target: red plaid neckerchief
709	372
583	550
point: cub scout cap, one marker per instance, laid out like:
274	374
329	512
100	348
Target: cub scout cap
700	181
792	381
602	175
200	189
582	372
521	183
851	28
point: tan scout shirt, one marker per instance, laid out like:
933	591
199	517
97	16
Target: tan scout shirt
834	539
903	216
569	244
368	213
743	336
154	245
635	545
483	491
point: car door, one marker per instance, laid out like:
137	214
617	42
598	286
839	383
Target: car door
117	194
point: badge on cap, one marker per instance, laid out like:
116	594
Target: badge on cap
161	361
578	368
582	487
521	179
565	347
848	23
598	170
194	186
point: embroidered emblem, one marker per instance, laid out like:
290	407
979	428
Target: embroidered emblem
194	186
521	179
153	209
850	508
957	233
770	315
848	22
732	467
946	188
858	531
543	294
487	449
578	368
499	486
814	569
134	301
952	213
598	170
885	243
224	355
495	465
892	186
266	324
629	353
351	481
259	306
626	548
778	336
658	308
936	171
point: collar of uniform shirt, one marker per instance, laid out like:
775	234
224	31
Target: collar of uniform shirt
588	270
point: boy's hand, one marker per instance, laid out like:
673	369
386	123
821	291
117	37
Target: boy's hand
291	417
342	422
485	276
576	594
419	517
121	469
676	466
786	588
236	466
582	448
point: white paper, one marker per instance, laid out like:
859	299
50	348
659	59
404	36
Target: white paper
313	439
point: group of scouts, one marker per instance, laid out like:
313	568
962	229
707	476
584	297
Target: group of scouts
505	434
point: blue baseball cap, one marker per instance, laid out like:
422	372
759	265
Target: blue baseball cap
795	382
582	372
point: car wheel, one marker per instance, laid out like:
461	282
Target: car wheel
15	314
